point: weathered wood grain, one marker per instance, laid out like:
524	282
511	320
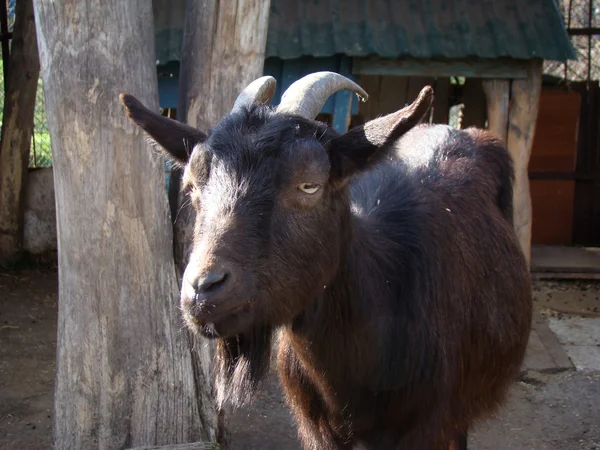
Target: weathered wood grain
17	128
522	118
223	51
497	93
191	446
125	376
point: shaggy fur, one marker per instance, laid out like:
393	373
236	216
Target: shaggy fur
399	289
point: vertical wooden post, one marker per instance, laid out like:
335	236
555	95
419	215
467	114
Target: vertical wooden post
497	94
223	51
522	117
17	128
125	376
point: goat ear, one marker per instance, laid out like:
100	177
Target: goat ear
363	146
175	138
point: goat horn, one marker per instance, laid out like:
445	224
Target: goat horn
260	90
307	96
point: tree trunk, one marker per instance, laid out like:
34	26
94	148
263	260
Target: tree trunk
223	51
125	375
17	127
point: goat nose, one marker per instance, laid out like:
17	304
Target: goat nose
210	283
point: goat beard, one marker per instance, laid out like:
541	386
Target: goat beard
241	364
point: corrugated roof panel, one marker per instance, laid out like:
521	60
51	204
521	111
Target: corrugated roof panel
418	28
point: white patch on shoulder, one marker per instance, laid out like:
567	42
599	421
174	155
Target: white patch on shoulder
419	146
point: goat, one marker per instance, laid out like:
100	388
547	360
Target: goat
385	257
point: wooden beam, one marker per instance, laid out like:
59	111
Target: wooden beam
496	94
410	67
522	117
474	112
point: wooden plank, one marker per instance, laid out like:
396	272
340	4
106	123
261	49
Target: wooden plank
415	84
554	146
441	105
586	227
393	94
522	118
408	67
552	211
497	93
372	85
474	112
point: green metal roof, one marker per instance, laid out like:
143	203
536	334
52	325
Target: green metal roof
520	29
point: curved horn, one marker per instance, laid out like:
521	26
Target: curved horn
260	90
307	96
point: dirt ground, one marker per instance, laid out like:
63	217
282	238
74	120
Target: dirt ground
558	411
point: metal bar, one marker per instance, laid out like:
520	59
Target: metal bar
583	31
5	43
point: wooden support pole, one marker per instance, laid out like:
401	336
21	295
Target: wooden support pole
17	128
125	376
522	117
223	51
497	94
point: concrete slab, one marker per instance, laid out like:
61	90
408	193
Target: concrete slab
544	352
580	338
584	357
576	330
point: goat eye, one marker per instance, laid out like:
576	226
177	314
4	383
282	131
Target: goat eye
308	188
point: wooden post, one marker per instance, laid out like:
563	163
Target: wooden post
223	51
522	116
515	123
497	93
125	376
17	128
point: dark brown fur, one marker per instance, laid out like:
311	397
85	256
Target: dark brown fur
401	294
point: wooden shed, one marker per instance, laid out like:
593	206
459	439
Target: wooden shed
483	58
